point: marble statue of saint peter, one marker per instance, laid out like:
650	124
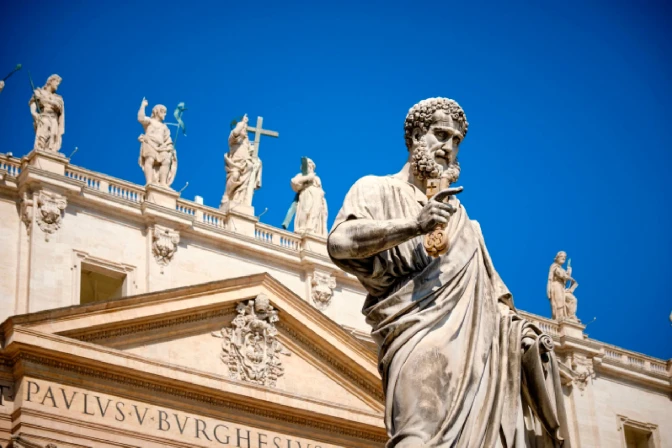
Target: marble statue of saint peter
460	367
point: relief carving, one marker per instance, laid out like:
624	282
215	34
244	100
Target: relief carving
250	348
322	289
20	442
50	211
27	210
164	245
583	371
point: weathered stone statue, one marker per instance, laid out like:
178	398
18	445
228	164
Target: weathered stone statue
48	111
460	367
311	209
158	158
563	302
243	169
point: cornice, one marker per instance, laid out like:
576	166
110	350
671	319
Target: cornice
148	213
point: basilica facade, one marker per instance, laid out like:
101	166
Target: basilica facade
132	317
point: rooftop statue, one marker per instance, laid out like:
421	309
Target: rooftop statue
158	158
48	111
243	167
310	204
460	366
563	302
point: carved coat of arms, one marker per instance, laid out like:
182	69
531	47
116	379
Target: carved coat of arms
250	347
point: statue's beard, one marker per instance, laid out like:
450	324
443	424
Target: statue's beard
425	166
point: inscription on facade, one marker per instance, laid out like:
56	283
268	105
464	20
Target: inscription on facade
148	419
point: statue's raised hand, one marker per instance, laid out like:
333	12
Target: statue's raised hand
144	102
435	213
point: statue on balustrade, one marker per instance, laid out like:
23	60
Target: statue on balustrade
563	302
310	204
48	111
243	168
460	367
158	158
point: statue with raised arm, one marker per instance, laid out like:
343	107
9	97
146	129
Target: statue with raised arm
48	111
158	158
311	207
460	367
243	169
563	302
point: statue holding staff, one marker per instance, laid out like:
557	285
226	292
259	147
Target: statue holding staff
563	302
48	111
158	158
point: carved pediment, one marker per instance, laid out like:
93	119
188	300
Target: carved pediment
238	336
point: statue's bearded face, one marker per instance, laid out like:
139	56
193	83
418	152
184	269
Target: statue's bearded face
434	152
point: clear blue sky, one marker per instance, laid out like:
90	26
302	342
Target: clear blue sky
568	104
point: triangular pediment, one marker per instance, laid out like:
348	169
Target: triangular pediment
185	335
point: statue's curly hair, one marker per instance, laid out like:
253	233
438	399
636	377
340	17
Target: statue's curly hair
54	77
420	115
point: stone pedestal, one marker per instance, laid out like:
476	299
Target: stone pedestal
314	243
240	218
571	329
53	162
163	196
237	208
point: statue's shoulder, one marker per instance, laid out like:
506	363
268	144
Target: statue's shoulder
372	186
371	181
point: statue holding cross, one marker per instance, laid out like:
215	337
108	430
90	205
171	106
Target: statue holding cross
242	164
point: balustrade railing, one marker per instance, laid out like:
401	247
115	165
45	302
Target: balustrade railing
636	360
88	179
546	325
214	220
185	207
11	165
612	354
277	237
126	192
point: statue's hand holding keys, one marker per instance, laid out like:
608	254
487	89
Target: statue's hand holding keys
433	219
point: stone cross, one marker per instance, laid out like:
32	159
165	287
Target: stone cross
258	132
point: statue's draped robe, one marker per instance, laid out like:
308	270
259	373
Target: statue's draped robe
311	210
450	355
50	126
563	302
243	171
159	147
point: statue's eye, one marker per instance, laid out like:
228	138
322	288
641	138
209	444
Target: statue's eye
456	140
441	135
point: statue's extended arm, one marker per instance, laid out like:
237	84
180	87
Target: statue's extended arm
362	238
300	181
33	108
142	118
